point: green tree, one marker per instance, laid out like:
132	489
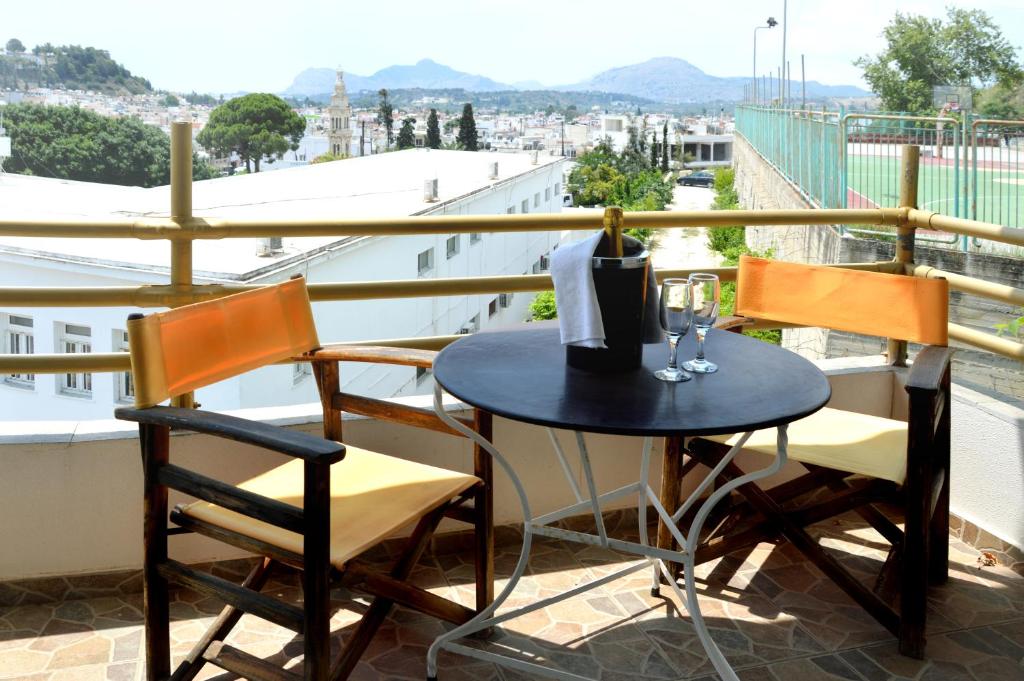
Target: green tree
171	100
1002	101
654	150
543	306
433	132
77	144
256	126
327	157
467	129
386	115
406	135
966	49
664	148
15	46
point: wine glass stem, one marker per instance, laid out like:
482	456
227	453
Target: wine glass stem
673	344
701	332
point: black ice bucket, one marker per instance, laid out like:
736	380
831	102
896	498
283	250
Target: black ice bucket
621	285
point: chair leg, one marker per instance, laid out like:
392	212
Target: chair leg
380	606
914	560
156	597
671	465
483	505
317	570
938	557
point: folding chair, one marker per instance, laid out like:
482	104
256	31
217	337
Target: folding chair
316	513
852	460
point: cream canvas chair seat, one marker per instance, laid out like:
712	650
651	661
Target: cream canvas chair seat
839	440
889	442
384	492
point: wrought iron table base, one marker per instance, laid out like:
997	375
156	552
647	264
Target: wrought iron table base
656	557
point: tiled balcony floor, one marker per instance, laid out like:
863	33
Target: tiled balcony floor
773	614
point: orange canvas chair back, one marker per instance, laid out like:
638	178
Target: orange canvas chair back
180	350
892	305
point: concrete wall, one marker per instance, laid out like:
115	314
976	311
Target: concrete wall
70	495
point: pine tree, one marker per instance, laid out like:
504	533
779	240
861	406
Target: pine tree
467	129
654	150
664	148
406	136
385	115
433	131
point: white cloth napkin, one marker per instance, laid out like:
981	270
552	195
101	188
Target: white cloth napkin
579	315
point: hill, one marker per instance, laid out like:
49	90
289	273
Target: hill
506	101
677	81
72	67
425	73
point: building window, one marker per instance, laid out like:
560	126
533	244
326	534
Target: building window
74	339
300	371
124	390
452	246
547	194
511	210
526	205
558	188
535	268
536	200
422	374
475	238
492	308
18	340
425	261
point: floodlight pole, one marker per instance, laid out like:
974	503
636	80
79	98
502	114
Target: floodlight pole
769	24
785	25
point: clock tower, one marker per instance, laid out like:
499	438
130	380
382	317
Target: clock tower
339	137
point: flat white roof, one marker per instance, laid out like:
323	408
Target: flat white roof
370	186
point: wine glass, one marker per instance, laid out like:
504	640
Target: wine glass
676	317
706	297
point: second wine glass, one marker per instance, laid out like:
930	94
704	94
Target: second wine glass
676	316
706	294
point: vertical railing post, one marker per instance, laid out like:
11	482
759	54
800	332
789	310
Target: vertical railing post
905	232
181	212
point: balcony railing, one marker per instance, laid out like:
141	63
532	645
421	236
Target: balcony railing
181	229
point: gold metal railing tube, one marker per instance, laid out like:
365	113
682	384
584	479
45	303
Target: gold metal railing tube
987	341
979	287
905	232
181	213
982	230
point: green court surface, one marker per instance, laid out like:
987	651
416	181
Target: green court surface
942	187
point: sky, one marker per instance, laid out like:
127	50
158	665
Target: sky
223	46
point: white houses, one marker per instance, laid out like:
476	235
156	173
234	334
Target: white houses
372	186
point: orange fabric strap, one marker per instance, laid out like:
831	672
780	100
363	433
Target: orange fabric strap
180	350
891	305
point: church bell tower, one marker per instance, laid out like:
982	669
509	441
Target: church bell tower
339	137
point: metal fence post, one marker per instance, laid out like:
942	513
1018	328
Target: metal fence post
181	212
909	166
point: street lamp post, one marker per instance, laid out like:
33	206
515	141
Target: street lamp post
771	23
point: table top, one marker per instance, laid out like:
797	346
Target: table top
521	374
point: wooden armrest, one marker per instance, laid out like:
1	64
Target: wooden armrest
293	443
377	354
929	367
733	323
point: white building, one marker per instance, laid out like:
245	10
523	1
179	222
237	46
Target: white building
372	186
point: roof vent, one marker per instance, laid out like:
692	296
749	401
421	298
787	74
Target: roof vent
494	170
430	190
269	246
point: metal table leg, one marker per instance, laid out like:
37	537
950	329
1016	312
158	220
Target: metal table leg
655	557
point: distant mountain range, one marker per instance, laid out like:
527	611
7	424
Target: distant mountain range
663	79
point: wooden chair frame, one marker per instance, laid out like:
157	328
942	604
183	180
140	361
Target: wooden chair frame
318	575
919	553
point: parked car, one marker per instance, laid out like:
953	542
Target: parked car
701	178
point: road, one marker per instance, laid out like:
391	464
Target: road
679	248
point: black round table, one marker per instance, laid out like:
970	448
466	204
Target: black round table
521	374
